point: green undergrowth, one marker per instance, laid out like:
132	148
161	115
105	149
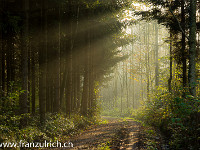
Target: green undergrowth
175	117
56	127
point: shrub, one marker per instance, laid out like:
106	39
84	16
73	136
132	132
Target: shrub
178	118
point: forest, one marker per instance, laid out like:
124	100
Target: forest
100	74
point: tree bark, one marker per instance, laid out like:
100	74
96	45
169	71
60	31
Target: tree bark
156	56
57	69
33	80
192	48
85	94
69	80
147	61
1	50
184	65
24	45
170	65
42	65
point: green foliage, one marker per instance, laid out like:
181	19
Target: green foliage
32	134
56	127
6	133
104	146
176	117
9	104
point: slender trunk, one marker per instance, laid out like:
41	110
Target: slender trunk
63	85
148	64
69	93
70	44
24	45
57	69
9	51
127	94
132	63
42	65
115	91
33	80
74	89
91	71
183	44
156	56
85	94
170	65
121	82
78	87
29	78
1	50
3	77
192	48
49	77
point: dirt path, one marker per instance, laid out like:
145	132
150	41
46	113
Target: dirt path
120	134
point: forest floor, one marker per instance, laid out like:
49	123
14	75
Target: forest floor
114	134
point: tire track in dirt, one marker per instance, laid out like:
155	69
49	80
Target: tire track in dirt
121	134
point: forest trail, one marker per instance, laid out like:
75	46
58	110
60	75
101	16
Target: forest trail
121	134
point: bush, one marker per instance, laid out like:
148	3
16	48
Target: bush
56	127
178	119
32	134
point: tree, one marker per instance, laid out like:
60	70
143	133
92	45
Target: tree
42	63
24	46
156	57
183	44
1	46
192	48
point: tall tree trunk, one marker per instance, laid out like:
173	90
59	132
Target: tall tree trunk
63	86
133	82
3	80
192	48
121	90
49	78
170	65
24	45
85	94
57	68
69	92
69	80
78	87
127	88
148	64
33	79
91	70
42	65
184	65
115	90
74	86
29	78
156	56
1	49
3	65
9	61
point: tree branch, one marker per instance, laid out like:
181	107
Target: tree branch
177	20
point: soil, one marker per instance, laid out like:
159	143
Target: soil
117	134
